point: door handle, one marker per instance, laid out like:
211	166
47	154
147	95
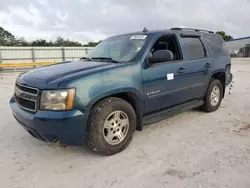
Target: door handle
207	65
181	70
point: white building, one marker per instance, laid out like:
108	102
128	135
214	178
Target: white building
239	47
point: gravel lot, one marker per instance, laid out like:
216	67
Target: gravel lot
192	149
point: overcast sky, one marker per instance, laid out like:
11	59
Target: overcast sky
91	20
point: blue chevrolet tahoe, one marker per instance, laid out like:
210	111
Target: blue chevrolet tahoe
125	82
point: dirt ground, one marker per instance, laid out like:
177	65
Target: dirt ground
192	149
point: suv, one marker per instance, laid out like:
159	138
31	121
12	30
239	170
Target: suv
125	82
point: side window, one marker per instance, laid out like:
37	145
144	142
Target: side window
193	48
168	42
216	44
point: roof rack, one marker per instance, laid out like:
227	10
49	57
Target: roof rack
191	29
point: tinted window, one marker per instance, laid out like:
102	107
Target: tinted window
193	48
216	44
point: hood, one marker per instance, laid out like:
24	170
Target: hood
49	77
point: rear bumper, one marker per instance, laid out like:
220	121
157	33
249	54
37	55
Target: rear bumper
229	78
68	127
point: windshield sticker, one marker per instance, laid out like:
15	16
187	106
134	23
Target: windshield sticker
138	37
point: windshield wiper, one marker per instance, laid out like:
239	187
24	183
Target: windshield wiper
106	58
86	58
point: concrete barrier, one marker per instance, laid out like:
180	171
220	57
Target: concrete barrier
240	60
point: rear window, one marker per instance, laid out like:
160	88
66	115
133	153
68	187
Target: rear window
193	48
216	44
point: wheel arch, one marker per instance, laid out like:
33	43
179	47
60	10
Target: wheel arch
130	95
221	76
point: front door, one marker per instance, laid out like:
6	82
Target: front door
166	84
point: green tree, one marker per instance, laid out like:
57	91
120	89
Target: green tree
22	42
92	44
6	38
224	35
39	42
62	42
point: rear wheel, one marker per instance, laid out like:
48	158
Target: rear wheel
112	123
213	97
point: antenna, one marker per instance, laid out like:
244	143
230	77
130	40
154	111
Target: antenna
145	30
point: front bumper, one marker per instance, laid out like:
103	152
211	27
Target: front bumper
66	126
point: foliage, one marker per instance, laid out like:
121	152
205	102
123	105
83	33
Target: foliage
8	39
92	44
224	35
22	42
62	42
40	42
59	42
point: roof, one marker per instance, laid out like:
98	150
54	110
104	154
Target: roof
161	31
143	33
242	38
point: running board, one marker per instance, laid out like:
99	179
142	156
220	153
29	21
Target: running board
152	118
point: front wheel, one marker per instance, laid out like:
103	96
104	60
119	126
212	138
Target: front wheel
112	123
213	97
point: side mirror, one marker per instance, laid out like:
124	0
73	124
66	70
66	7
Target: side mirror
161	56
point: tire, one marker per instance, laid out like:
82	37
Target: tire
106	112
211	105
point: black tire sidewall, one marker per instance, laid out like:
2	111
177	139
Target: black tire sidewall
96	123
208	106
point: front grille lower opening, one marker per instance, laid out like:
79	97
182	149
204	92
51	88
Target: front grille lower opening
26	103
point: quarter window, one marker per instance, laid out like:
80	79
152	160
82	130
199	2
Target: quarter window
216	44
193	48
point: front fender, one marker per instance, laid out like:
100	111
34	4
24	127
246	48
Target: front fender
93	87
112	93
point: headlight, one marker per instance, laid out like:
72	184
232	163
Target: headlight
57	99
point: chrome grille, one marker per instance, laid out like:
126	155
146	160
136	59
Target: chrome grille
26	97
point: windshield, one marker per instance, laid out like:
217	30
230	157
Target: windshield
120	48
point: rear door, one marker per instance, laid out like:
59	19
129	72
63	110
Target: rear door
197	65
